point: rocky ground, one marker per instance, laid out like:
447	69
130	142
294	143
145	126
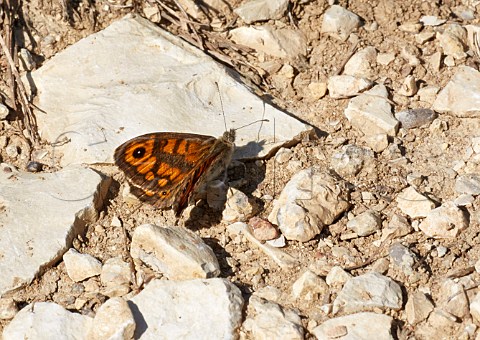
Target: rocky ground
378	210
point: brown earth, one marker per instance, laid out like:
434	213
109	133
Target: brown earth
46	27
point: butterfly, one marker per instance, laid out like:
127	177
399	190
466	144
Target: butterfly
168	169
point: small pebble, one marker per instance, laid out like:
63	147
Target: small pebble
415	117
262	229
4	111
8	308
278	242
431	20
116	223
441	251
34	166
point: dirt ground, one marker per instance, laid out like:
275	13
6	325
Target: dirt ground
45	27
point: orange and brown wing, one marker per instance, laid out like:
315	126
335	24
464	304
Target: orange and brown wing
161	166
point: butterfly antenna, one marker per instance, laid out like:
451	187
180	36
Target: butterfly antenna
255	122
221	106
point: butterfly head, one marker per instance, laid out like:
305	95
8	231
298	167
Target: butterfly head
229	136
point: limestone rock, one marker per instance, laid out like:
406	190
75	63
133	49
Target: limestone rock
258	10
468	184
370	112
366	223
310	287
446	221
361	63
345	86
81	266
31	321
176	252
237	207
414	204
271	321
459	97
415	117
280	43
114	320
367	292
339	22
360	326
309	201
195	309
351	159
42	213
8	308
418	308
169	85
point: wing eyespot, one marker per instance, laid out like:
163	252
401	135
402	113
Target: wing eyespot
139	152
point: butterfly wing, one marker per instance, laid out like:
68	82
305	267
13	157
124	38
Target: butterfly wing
164	168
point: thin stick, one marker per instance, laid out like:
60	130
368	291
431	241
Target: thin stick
8	37
192	27
29	117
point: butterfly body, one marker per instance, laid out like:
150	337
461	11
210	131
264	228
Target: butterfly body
167	169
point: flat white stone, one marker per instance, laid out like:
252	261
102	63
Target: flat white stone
116	271
339	22
385	58
423	37
418	308
176	252
196	309
414	204
113	321
271	321
461	95
367	292
41	214
337	275
378	142
468	184
361	63
446	221
453	299
134	78
360	326
46	321
309	286
370	113
345	86
431	20
81	266
366	223
475	307
257	10
451	45
281	43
